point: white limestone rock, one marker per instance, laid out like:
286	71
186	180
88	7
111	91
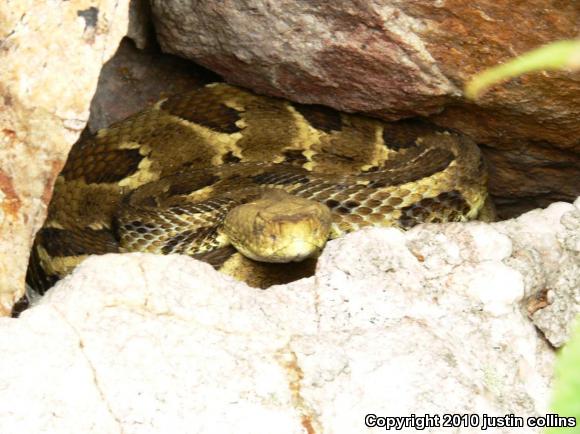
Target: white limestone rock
428	321
556	267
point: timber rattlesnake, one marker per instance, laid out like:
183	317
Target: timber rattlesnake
194	157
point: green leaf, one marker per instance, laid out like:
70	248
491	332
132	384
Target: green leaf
555	56
566	397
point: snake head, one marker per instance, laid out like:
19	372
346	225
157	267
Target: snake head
278	227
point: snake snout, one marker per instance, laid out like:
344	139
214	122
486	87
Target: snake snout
279	227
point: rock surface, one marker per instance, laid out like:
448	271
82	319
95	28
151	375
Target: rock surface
557	303
142	77
51	55
429	321
396	59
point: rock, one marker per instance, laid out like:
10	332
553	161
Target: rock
553	308
395	59
340	55
143	77
525	176
51	55
428	321
140	27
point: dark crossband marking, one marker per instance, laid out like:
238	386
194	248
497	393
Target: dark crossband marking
199	107
294	157
62	242
447	206
403	134
420	164
230	158
182	242
184	185
320	117
102	165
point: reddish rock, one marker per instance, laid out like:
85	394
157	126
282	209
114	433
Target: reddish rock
337	54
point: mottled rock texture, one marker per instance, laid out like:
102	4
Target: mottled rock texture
51	55
395	59
435	320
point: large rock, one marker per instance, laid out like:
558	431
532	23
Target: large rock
434	320
396	59
51	55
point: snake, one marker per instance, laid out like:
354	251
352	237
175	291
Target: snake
253	185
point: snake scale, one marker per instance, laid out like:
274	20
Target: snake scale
169	179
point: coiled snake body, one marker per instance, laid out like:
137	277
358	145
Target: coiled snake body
219	166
